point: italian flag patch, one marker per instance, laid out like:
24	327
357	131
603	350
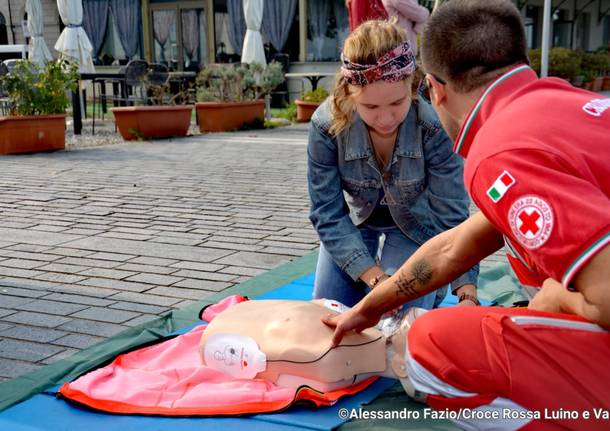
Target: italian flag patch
500	186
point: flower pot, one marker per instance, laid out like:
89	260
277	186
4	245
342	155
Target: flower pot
137	122
305	110
598	83
29	134
606	84
225	116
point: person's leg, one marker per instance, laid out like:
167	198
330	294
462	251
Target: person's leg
333	283
397	248
533	369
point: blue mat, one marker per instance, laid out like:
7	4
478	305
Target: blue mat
45	412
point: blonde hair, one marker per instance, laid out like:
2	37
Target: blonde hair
365	45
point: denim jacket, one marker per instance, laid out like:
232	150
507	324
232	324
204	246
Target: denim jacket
423	186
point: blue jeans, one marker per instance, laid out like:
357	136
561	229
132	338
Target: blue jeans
333	283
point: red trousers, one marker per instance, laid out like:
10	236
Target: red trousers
554	364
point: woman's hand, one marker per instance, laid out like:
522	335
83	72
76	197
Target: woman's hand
353	319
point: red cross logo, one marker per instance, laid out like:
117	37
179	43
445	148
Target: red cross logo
529	222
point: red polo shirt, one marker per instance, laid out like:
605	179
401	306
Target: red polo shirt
538	166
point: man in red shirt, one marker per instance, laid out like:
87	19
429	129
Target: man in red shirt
538	167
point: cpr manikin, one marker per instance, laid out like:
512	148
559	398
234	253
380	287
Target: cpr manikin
286	342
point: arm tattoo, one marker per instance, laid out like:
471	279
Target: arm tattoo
422	274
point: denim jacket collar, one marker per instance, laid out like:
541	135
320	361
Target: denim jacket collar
409	138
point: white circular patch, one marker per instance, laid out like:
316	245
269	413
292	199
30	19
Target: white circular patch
531	220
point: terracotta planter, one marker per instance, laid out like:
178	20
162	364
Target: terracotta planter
598	83
135	122
606	85
226	116
305	110
30	134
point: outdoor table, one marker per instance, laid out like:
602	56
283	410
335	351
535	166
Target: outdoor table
118	79
313	77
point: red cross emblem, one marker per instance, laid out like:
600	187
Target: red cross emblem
531	221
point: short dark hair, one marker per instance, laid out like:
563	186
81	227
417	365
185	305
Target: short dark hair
471	42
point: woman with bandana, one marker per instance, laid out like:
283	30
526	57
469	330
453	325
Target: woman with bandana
382	176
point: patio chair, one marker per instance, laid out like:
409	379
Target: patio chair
157	77
131	88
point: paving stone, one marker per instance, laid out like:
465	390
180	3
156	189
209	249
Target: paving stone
8	301
23	263
149	249
254	260
61	355
78	299
191	283
36	238
127	236
111	256
155	261
29	256
139	308
63	268
134	267
103	314
32	333
71	252
155	279
51	307
5	326
36	319
10	368
25	293
25	350
232	246
145	318
78	341
285	251
19	273
60	278
91	327
144	298
198	266
31	248
97	263
50	228
181	293
83	290
214	276
28	284
242	270
116	285
177	240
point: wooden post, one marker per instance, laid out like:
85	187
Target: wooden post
147	31
302	30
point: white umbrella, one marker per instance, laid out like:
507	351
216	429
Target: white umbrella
38	51
73	41
253	50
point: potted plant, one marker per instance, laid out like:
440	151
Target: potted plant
231	96
309	102
596	64
37	99
164	118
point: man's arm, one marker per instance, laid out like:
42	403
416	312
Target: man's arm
433	265
591	299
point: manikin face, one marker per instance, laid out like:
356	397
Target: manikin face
383	105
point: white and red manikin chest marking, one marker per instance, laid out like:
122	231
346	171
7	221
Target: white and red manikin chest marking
531	221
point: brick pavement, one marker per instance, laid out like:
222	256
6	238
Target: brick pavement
96	240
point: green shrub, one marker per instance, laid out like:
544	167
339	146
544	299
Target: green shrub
236	83
563	63
318	95
289	112
33	90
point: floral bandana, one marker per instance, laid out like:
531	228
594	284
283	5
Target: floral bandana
393	66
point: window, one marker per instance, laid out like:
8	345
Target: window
3	32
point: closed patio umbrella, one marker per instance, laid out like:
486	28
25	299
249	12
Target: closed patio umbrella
253	50
38	51
73	41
